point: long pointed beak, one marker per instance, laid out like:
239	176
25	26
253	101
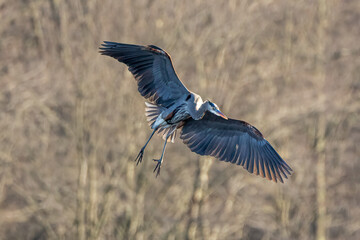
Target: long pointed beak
221	114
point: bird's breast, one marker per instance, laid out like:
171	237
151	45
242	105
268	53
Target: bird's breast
178	115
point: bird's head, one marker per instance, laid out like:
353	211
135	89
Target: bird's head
213	108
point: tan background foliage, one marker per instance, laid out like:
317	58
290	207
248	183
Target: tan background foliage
71	121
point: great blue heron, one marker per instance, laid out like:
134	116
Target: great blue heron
204	128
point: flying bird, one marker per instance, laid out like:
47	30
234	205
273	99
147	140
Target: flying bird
203	127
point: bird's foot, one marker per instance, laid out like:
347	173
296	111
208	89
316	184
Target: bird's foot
139	156
158	166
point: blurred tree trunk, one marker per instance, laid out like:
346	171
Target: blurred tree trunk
135	208
320	137
138	206
320	143
288	45
83	165
93	203
197	200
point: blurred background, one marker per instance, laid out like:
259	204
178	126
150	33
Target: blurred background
72	121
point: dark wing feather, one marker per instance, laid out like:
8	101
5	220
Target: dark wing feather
152	69
237	142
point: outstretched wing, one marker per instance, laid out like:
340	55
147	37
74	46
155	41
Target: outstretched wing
152	69
237	142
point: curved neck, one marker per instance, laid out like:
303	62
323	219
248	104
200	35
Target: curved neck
199	113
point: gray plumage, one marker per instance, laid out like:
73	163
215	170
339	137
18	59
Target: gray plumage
204	129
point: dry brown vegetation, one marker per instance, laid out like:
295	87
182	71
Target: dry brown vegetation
71	120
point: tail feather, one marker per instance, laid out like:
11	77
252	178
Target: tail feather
152	112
